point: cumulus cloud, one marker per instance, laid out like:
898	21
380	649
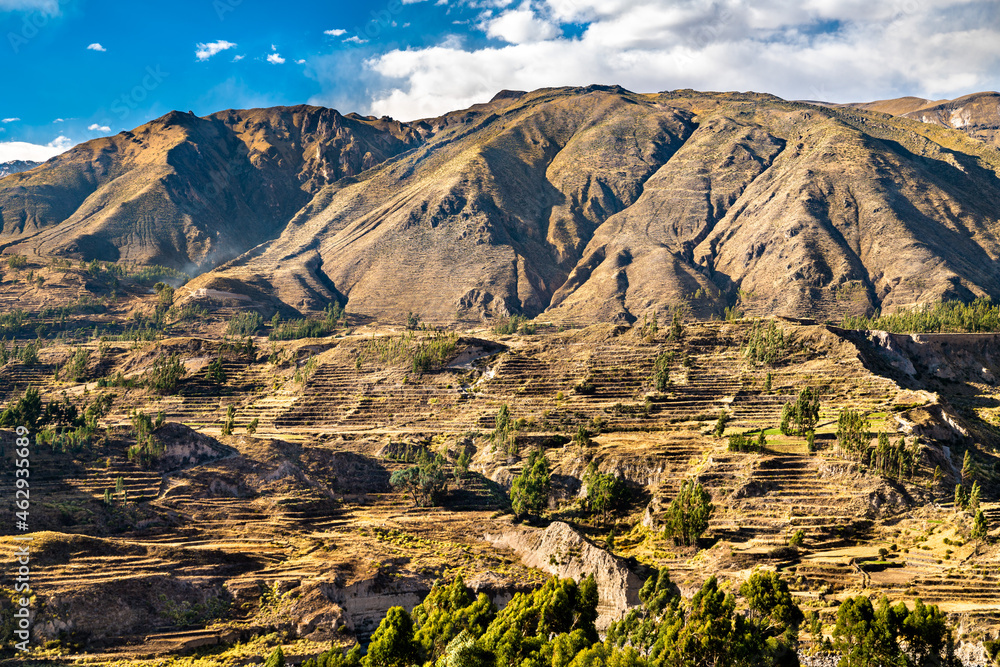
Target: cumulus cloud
20	150
834	50
98	128
521	26
10	120
336	32
275	59
204	51
96	47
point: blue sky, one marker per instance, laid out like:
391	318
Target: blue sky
74	70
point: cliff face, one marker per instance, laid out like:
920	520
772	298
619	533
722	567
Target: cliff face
561	551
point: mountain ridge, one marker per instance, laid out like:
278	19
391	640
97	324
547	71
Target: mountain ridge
576	203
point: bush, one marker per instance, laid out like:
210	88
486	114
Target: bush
17	261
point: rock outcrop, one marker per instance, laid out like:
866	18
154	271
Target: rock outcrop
563	552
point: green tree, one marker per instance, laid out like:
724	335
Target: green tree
974	497
800	417
852	434
661	371
605	493
276	659
465	651
216	372
393	644
462	464
426	482
961	498
252	426
689	513
720	424
980	529
529	494
26	411
523	627
165	374
448	611
771	606
504	433
230	421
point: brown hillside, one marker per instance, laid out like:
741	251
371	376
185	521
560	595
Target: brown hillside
190	192
977	114
600	203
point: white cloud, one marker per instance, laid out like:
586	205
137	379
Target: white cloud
336	32
96	47
98	128
521	26
236	59
204	51
20	150
59	120
275	59
837	50
10	120
354	39
300	62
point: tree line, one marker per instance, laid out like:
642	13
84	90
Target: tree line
757	623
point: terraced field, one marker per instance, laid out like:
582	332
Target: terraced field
295	529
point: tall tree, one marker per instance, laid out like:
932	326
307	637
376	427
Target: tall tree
530	492
393	644
689	513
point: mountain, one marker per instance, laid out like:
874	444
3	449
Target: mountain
577	204
189	192
599	203
978	115
16	166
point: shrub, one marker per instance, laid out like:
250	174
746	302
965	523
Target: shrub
17	261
